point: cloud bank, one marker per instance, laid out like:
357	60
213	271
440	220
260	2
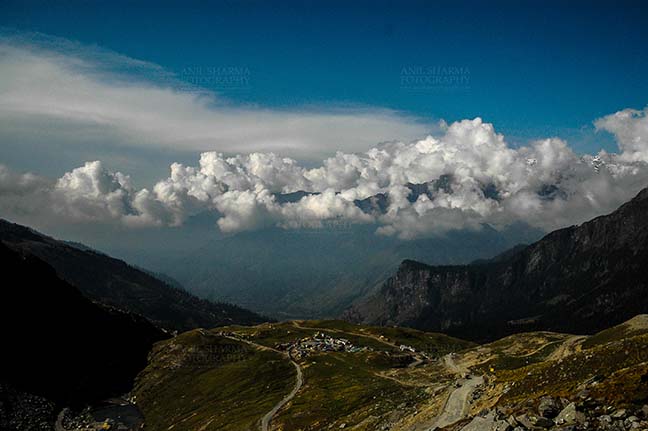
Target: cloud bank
463	178
460	176
75	95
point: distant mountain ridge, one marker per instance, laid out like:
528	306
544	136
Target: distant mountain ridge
578	279
319	272
113	282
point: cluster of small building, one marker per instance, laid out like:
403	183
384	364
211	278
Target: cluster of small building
226	334
319	342
404	348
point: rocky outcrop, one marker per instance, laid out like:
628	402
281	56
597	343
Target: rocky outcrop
574	416
579	279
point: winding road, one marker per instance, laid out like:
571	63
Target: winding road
265	421
456	407
299	381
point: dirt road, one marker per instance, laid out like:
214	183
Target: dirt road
456	407
299	381
265	421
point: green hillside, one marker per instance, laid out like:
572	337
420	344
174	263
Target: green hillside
368	378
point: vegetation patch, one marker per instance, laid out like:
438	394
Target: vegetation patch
503	361
564	377
201	381
616	333
345	388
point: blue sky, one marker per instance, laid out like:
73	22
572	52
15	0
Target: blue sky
535	68
141	114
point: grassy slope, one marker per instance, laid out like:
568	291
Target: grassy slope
210	383
520	350
345	388
236	389
613	364
364	389
563	377
633	327
271	334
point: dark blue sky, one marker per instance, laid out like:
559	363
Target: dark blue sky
535	68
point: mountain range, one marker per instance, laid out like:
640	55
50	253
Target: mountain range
316	272
82	327
79	325
578	279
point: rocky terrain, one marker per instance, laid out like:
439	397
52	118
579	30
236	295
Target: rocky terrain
560	414
579	279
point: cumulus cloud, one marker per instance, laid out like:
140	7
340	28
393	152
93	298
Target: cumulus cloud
630	127
462	178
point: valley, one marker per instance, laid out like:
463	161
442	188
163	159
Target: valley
494	349
383	385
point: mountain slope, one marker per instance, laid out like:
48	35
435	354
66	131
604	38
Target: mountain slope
230	378
357	377
578	279
113	282
59	347
317	273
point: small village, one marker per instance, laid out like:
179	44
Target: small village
319	342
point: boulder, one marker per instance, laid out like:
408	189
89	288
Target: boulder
488	422
570	415
543	422
501	425
524	420
549	407
511	421
605	419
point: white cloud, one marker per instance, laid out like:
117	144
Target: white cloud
630	127
83	96
92	193
473	178
61	94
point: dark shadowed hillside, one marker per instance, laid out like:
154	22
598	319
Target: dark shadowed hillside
59	348
579	279
114	282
